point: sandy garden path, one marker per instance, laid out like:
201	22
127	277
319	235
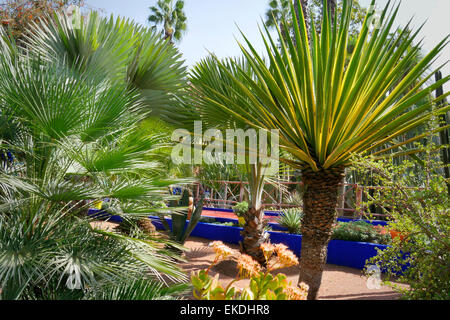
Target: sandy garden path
338	283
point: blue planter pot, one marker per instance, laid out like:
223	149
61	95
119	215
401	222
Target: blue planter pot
351	254
293	241
344	253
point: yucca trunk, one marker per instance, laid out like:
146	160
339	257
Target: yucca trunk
319	206
253	234
146	226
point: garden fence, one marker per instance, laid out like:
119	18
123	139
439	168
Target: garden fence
226	194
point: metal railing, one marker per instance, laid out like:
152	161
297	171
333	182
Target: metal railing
226	194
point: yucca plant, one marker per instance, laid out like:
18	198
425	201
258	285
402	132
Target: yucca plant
325	109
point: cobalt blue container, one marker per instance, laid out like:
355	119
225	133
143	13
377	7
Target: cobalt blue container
292	241
351	253
344	253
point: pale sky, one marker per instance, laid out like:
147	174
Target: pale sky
213	24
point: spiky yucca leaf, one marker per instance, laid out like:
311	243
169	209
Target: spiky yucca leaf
325	109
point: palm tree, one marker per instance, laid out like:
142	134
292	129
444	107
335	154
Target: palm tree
123	51
171	15
77	139
325	110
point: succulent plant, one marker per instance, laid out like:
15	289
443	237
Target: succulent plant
291	219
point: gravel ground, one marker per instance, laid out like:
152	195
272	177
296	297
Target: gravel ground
338	283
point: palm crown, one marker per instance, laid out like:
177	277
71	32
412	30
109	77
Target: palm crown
171	16
75	137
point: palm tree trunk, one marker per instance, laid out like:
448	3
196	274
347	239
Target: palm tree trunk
444	134
319	201
253	234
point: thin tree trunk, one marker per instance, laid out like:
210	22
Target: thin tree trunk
319	207
444	134
253	234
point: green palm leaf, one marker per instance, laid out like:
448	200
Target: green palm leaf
119	50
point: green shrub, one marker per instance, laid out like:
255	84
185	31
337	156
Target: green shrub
422	217
240	208
291	219
207	220
360	231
